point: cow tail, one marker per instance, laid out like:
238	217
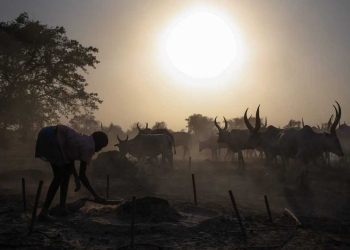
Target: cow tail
190	142
172	138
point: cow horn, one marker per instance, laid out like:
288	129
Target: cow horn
146	126
216	124
247	123
137	125
225	128
329	123
257	120
302	121
110	127
318	126
337	118
120	140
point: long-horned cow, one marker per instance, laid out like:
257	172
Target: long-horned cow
267	141
235	139
182	139
157	131
305	145
343	133
212	144
143	146
325	128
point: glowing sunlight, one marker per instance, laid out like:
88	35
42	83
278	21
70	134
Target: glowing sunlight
202	45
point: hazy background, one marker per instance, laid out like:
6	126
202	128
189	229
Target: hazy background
295	62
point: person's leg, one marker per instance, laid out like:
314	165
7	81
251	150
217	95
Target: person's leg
67	172
44	214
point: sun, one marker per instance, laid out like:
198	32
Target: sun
202	45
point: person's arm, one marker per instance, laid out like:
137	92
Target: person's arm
86	183
77	180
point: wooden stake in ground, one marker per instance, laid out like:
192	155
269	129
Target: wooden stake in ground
293	216
133	222
237	213
107	189
268	208
194	190
24	195
37	197
189	164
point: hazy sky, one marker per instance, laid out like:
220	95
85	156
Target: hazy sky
295	61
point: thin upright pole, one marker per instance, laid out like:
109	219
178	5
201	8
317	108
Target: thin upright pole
268	207
107	189
37	197
194	190
237	213
24	195
133	222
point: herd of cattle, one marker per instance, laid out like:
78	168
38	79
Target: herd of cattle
303	144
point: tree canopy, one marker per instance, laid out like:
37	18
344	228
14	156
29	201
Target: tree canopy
41	74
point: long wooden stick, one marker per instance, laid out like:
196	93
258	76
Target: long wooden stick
24	195
194	190
237	213
133	222
293	216
107	189
268	207
37	197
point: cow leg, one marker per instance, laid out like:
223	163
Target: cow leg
328	160
240	159
170	160
303	174
141	165
228	154
185	151
284	168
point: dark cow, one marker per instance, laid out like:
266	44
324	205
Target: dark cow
235	139
267	140
182	139
157	131
143	146
305	145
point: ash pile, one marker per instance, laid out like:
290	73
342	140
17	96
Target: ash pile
150	210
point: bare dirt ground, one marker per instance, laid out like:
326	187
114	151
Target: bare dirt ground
324	211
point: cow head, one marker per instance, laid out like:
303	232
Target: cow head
255	134
332	141
123	146
107	131
224	134
143	131
201	145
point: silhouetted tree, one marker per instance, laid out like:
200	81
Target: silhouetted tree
85	123
293	123
159	125
40	77
199	124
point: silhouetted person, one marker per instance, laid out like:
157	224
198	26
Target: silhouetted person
61	146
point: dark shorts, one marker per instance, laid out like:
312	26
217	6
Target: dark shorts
47	147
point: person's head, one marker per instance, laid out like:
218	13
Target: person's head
100	139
